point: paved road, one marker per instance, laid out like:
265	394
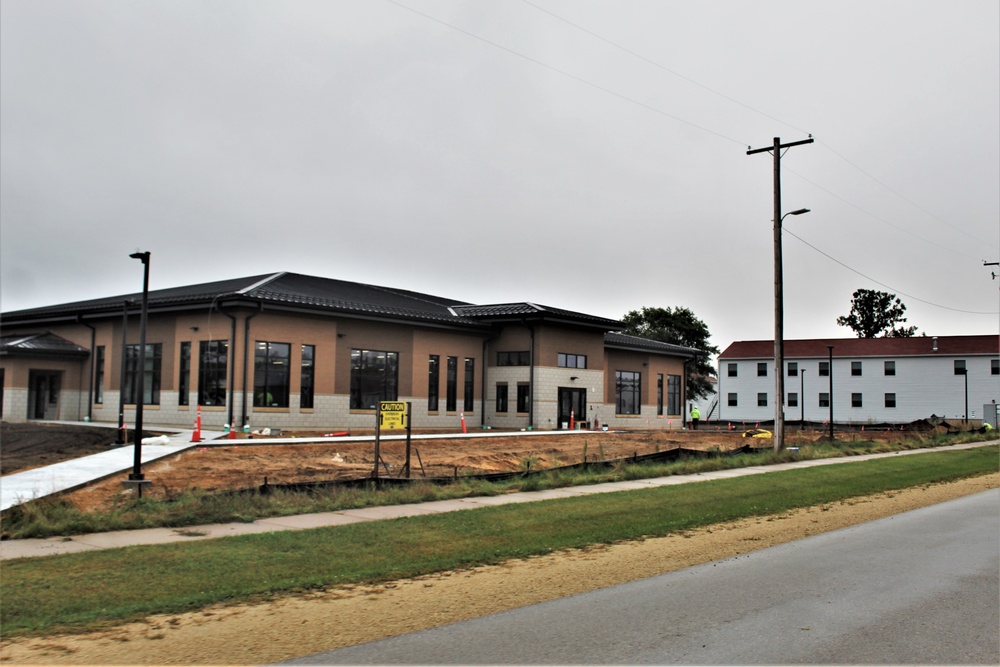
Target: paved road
920	587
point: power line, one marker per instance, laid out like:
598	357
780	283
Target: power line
663	67
769	117
567	74
901	196
908	296
875	217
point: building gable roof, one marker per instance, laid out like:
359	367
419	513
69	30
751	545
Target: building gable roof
867	347
627	342
40	345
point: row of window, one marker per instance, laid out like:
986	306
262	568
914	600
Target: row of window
857	401
374	378
523	358
888	368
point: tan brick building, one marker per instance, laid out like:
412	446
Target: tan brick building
295	351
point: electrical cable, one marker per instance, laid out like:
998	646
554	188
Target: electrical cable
908	296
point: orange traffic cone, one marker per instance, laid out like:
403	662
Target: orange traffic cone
196	436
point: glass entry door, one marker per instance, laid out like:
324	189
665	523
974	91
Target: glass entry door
572	401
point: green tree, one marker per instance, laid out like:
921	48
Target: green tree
678	326
874	314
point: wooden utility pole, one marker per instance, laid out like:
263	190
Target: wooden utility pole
779	309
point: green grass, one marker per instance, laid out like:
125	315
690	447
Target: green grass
54	516
86	590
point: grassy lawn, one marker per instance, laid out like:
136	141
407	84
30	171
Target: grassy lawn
77	591
56	516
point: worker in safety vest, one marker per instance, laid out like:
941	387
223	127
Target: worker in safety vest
695	416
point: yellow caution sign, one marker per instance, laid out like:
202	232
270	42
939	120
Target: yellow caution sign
392	415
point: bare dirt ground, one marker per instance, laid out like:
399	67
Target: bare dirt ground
299	625
29	445
218	466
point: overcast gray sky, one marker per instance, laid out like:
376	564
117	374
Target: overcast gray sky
582	154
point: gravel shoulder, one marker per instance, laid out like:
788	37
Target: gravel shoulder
300	625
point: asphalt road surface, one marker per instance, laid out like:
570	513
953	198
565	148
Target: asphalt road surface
920	587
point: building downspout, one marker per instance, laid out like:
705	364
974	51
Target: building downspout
483	382
232	367
246	358
90	379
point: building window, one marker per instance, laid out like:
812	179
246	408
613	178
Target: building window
732	370
213	361
99	374
451	389
184	378
674	395
824	400
793	400
793	369
856	401
824	368
659	395
523	396
960	367
433	382
890	368
308	382
627	397
856	368
501	397
150	374
890	400
733	401
470	384
762	369
374	378
522	358
271	364
762	400
994	366
572	360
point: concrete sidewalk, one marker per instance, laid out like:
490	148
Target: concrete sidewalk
10	549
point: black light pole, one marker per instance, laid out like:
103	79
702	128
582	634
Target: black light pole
140	389
830	364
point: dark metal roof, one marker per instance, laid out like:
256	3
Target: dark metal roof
501	312
625	341
280	290
40	345
867	347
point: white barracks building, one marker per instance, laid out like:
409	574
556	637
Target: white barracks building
873	380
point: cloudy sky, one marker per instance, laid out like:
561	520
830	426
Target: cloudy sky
583	154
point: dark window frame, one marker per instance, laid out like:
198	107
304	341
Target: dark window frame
307	377
469	387
374	378
151	374
502	400
567	360
433	382
515	358
674	395
213	371
451	387
99	361
889	368
628	392
523	397
184	374
272	374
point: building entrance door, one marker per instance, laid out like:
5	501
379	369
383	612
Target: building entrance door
572	401
43	399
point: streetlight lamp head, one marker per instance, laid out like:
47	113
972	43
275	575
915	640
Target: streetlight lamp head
799	211
144	256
